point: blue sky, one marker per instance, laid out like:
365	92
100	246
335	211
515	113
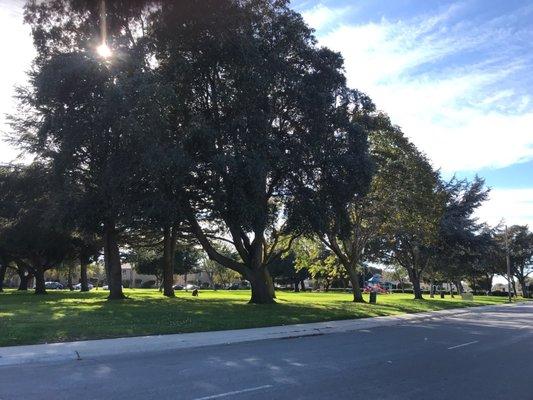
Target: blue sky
455	75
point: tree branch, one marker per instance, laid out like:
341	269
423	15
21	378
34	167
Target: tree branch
212	253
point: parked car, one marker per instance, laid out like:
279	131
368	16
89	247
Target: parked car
53	285
106	287
78	286
190	286
234	286
177	287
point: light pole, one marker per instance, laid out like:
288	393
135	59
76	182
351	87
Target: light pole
508	261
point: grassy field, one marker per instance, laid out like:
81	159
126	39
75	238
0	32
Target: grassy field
64	316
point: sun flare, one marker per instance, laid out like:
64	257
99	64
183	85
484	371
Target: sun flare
104	51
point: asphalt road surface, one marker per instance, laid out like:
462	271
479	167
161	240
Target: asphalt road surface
486	355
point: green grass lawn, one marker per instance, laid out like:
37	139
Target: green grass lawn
64	316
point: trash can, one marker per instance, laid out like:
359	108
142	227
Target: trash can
442	294
373	297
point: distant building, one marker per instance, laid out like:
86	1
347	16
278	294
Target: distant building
131	278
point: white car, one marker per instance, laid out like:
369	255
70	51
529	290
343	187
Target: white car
190	286
78	286
106	287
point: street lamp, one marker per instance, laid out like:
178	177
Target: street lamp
508	262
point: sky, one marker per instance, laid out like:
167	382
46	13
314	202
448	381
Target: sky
456	76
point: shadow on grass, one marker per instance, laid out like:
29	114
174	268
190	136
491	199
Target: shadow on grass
63	316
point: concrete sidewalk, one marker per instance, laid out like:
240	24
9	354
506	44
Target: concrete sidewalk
42	353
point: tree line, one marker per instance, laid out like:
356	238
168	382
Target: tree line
219	124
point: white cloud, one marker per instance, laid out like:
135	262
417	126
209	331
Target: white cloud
508	206
321	16
463	116
514	206
17	52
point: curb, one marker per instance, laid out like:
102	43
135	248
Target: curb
75	351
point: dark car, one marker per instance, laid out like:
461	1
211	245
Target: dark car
235	286
177	287
53	285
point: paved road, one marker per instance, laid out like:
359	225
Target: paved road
475	355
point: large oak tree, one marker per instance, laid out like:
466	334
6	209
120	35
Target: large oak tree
266	113
351	228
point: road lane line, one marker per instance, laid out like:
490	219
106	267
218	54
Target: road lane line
462	345
217	396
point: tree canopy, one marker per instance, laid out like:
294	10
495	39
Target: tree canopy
223	125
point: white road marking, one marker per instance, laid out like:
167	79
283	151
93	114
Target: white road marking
462	345
217	396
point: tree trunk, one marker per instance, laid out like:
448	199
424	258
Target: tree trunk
415	280
522	282
451	290
106	261
69	278
262	288
40	287
24	278
168	270
354	280
514	288
3	268
489	283
83	275
112	262
24	281
270	282
302	285
296	287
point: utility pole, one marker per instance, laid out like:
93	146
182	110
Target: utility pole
508	260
